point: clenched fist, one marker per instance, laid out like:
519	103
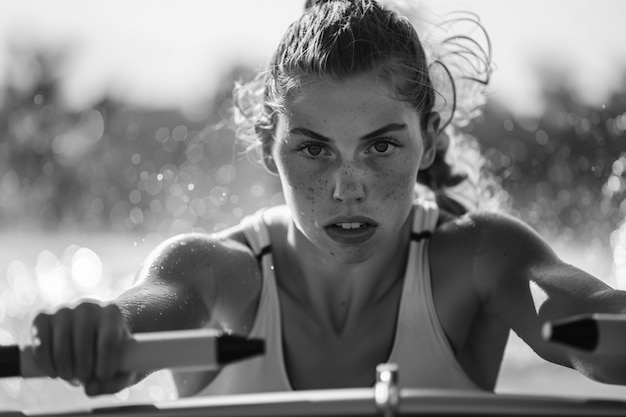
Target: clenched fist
83	345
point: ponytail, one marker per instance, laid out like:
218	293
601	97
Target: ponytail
459	53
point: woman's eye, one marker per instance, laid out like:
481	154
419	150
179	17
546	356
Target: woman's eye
313	150
383	147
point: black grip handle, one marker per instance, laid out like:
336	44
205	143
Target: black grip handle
9	361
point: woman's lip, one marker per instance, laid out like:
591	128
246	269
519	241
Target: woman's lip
351	219
350	236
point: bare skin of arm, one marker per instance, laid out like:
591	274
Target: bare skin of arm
510	259
191	281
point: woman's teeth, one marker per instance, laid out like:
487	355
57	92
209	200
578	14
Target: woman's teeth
350	225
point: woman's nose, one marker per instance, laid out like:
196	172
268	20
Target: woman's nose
349	187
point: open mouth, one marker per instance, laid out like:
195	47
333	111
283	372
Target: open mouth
350	232
350	226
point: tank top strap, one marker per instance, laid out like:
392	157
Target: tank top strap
421	348
256	233
425	217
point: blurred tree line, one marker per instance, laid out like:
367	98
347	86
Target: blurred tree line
563	171
115	167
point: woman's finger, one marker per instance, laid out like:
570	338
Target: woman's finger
110	342
84	340
62	344
41	333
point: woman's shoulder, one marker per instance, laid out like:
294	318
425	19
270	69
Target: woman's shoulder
200	250
221	266
226	249
226	245
481	224
490	233
493	245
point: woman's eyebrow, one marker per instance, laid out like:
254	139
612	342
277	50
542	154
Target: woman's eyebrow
306	132
391	127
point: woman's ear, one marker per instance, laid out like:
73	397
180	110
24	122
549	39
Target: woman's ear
268	158
431	135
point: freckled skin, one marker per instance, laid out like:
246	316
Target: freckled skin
349	177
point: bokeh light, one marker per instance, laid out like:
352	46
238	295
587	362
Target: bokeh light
86	269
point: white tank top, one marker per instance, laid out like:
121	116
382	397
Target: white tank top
420	347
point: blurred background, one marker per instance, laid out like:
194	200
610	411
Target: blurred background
112	138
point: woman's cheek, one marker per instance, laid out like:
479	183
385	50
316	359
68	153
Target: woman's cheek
392	187
313	190
303	181
396	180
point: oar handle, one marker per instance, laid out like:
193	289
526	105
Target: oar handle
181	349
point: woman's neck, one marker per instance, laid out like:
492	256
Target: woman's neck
338	293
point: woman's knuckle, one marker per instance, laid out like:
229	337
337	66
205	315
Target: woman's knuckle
40	319
111	312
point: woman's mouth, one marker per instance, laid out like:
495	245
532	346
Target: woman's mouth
350	225
350	232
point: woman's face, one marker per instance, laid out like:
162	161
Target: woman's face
348	154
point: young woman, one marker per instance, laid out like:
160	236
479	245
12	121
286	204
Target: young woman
357	268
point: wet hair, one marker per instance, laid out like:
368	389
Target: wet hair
337	39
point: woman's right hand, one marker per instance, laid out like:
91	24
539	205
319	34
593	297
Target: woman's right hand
84	344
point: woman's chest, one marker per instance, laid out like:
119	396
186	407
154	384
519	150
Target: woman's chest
317	355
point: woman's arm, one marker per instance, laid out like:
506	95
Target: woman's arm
176	288
185	283
521	280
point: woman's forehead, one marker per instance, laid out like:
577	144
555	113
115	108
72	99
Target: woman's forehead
359	99
368	83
